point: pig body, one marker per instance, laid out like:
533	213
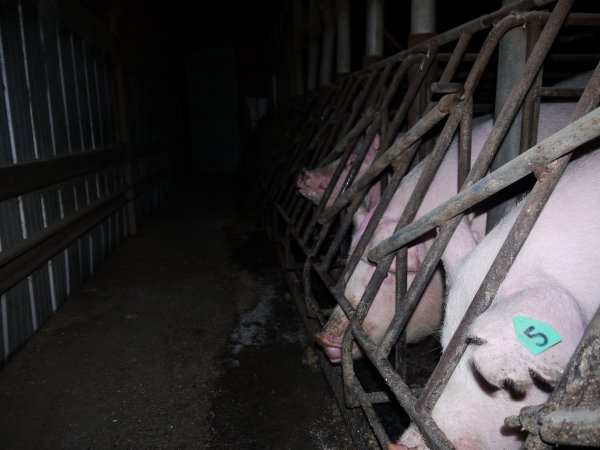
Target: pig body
427	315
554	280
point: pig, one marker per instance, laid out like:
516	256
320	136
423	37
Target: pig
428	313
553	280
312	184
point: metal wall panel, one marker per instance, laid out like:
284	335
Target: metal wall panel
59	98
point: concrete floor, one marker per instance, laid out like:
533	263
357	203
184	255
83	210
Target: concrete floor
184	338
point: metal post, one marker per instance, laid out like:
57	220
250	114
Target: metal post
314	31
422	27
328	19
298	47
511	60
374	34
422	21
344	58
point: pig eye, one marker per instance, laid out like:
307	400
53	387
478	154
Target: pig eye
475	340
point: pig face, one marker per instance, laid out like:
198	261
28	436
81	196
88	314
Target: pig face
425	318
312	184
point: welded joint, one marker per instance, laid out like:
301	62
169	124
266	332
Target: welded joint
573	426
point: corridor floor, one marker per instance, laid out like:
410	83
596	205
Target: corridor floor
185	337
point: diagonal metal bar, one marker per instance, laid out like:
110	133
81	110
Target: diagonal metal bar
559	144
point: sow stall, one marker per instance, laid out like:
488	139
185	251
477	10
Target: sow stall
452	71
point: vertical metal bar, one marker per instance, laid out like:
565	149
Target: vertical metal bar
422	17
374	32
457	345
511	61
344	55
297	42
314	31
328	42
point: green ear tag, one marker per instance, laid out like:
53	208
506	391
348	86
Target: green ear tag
535	335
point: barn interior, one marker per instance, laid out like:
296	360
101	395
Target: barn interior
152	276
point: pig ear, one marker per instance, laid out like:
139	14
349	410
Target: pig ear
461	244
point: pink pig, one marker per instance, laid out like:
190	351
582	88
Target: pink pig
553	280
311	184
427	316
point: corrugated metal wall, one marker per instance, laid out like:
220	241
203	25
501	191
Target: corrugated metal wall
58	98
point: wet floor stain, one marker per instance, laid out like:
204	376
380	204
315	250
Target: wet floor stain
272	394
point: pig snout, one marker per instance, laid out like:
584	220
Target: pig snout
332	335
333	350
309	186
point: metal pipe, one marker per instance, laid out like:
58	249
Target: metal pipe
422	17
297	43
457	345
511	61
559	144
428	121
314	31
479	24
328	19
344	55
374	32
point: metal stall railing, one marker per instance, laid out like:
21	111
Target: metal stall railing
313	240
76	168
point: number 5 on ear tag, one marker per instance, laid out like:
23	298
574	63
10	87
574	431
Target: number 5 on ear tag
535	335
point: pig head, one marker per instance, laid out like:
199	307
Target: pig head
312	184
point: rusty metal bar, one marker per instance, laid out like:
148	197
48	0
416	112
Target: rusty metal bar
409	138
401	165
559	144
472	26
421	417
369	117
571	415
503	261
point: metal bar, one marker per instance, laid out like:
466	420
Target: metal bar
369	117
512	244
513	102
48	243
362	434
422	17
511	60
343	53
374	31
410	137
312	57
21	178
327	47
559	144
